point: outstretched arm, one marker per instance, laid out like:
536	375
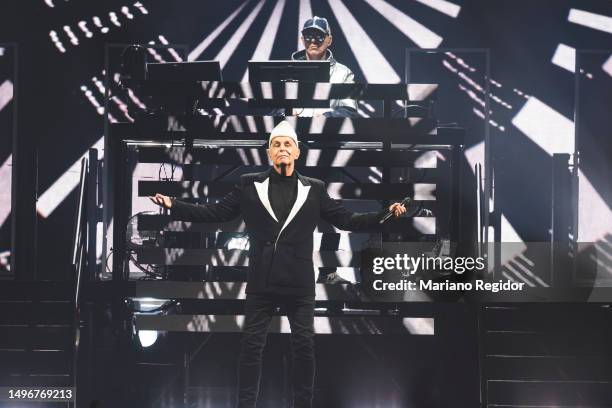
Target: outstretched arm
341	217
226	209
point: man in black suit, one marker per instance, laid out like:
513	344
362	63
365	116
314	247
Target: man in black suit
281	209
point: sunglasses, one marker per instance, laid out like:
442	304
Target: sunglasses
312	37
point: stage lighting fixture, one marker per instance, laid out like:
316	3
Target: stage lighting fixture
150	305
238	242
147	337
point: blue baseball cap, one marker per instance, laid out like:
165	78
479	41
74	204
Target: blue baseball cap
317	23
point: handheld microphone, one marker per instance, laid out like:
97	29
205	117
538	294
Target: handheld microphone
389	213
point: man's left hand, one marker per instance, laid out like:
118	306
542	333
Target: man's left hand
397	209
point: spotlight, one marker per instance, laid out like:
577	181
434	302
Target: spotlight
147	337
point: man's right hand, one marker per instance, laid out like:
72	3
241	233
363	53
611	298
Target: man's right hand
162	200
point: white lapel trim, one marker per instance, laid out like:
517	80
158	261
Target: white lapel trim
262	192
302	194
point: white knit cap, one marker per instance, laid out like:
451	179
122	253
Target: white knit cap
283	129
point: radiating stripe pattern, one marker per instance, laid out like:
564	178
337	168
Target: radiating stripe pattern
6	96
361	31
266	42
591	20
201	47
305	12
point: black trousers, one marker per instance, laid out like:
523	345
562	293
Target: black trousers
259	310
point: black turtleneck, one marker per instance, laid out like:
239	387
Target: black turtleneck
282	192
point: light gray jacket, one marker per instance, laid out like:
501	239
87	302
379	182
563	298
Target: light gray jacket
338	74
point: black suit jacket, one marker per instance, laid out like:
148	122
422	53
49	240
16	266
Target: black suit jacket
280	256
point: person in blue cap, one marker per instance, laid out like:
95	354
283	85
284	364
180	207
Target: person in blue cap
317	38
